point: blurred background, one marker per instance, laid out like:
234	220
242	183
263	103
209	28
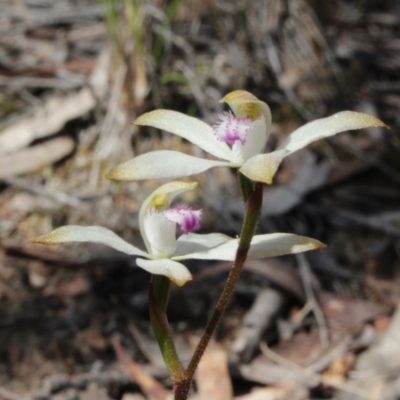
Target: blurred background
74	74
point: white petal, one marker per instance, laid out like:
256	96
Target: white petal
279	244
269	245
189	128
160	199
194	242
225	252
262	168
175	271
325	127
160	233
162	164
94	234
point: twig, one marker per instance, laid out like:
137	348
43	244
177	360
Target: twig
108	137
306	276
345	387
141	344
275	64
257	320
22	82
59	197
148	384
7	395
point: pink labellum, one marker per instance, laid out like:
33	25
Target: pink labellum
231	129
187	219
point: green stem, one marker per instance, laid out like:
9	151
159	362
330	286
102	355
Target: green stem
158	301
252	193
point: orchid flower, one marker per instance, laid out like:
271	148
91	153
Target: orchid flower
238	140
158	221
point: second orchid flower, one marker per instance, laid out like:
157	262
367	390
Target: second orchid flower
158	222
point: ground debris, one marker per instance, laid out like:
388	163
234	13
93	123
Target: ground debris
74	321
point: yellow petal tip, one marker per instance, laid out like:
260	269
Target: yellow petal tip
43	239
119	173
240	97
109	175
181	282
361	120
373	121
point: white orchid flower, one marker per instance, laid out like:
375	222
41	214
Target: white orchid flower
239	139
157	221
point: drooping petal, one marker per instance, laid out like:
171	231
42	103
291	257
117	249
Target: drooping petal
279	244
189	128
325	127
162	164
262	168
175	271
187	219
94	234
160	199
194	242
160	233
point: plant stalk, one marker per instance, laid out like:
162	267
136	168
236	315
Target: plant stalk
158	301
252	194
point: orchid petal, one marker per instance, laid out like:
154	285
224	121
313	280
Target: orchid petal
279	244
162	164
194	242
224	252
160	233
189	128
160	199
94	234
325	127
262	168
268	245
175	271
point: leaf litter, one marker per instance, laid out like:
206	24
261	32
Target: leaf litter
68	96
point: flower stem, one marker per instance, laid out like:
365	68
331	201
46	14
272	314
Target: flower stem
158	301
253	198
